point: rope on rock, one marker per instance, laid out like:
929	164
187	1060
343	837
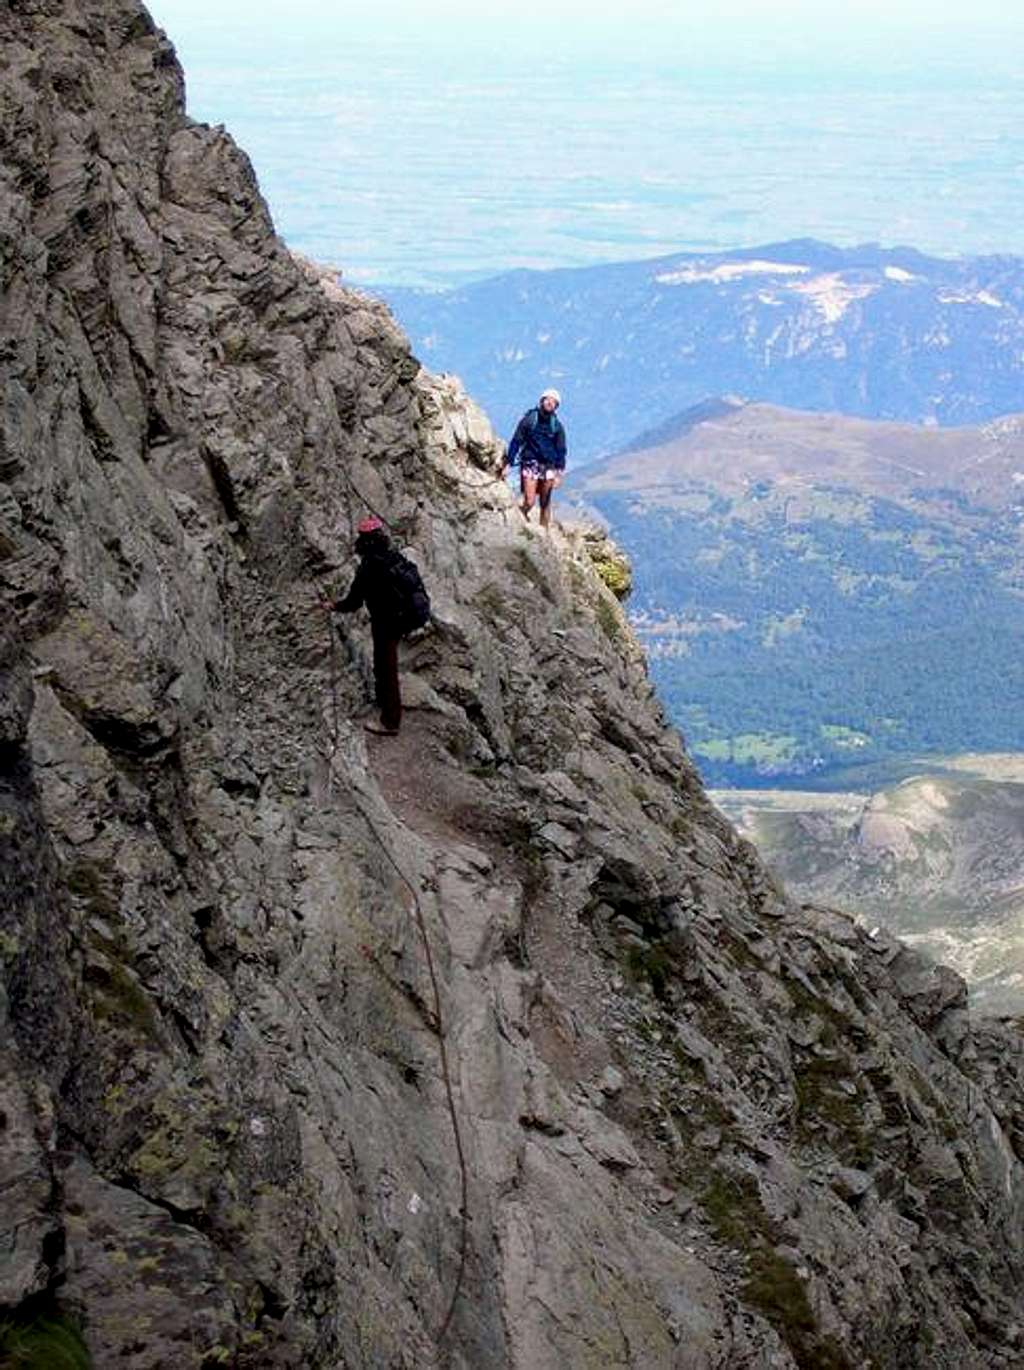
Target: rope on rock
355	490
478	484
438	1028
437	1025
456	480
333	674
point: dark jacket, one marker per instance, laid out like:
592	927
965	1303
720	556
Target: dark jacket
374	587
539	440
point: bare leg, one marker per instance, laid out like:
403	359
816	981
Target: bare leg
529	488
545	489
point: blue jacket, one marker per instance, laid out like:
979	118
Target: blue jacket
539	439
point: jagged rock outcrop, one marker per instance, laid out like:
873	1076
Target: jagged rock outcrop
701	1127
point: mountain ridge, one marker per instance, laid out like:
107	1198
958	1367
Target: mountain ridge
778	443
869	331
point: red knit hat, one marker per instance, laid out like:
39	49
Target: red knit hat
370	525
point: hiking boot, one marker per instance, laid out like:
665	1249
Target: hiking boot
379	730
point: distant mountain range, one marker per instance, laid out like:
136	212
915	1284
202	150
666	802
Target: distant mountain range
818	593
885	334
938	859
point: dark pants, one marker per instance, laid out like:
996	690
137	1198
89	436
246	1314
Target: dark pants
385	675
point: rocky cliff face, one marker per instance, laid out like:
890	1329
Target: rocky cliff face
490	1045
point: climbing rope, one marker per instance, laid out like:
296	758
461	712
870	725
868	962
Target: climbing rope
355	490
333	676
478	485
456	480
437	1026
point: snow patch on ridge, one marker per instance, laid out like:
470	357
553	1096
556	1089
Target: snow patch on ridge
829	292
966	297
832	295
729	271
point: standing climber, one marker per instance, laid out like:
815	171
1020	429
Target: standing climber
390	586
539	444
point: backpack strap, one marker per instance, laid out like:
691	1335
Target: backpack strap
556	422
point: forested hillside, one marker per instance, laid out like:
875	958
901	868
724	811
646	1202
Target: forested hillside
816	594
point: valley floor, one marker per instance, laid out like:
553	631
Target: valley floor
937	858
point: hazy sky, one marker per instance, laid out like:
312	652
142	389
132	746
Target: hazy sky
566	22
556	13
813	35
429	139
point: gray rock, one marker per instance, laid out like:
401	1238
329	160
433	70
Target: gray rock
566	843
850	1184
611	1082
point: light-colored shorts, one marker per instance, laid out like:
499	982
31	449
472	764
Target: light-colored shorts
531	471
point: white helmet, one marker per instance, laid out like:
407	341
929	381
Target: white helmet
551	394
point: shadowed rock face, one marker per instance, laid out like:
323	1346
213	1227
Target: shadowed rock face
701	1127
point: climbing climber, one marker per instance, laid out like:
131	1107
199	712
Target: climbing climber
390	586
539	444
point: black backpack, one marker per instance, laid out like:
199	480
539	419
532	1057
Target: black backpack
412	603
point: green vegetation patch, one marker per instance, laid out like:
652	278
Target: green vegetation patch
492	603
86	881
615	570
843	738
827	1099
655	965
773	1285
524	566
609	621
822	1102
45	1342
118	999
890	644
750	749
